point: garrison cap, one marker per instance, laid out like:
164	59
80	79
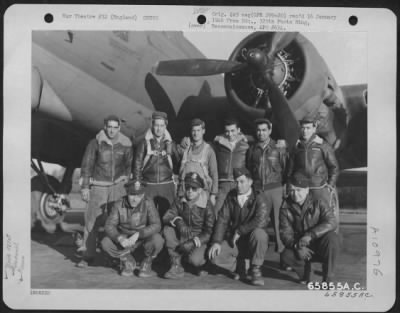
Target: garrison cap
134	187
237	172
197	122
299	180
309	119
112	117
157	115
263	121
193	179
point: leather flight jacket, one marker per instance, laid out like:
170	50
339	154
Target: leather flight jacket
232	218
199	217
104	161
316	160
228	158
314	218
267	164
153	160
126	220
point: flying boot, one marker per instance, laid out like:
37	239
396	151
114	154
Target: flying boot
176	271
128	265
145	268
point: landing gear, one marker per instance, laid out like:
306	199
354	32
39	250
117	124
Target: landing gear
48	204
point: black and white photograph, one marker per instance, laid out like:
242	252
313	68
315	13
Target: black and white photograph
225	159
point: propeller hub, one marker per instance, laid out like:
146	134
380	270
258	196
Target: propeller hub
256	58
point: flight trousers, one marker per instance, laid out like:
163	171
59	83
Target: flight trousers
274	198
162	194
152	246
326	250
196	257
252	246
100	203
223	189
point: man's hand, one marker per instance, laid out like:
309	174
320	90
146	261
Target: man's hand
305	253
132	239
121	179
185	143
186	247
85	193
234	239
305	241
214	251
183	230
213	199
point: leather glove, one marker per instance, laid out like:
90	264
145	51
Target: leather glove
183	229
186	247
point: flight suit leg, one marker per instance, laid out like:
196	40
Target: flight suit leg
258	246
197	256
94	219
227	258
223	189
153	245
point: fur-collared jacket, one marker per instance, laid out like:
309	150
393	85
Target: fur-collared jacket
154	159
314	218
229	157
199	217
267	164
104	161
316	160
127	220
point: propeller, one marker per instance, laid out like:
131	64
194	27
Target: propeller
256	60
280	41
286	122
196	67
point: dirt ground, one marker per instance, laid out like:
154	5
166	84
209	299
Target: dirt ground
53	267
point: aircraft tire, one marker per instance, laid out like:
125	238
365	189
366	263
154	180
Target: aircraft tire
42	216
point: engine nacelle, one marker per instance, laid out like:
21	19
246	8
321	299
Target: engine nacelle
300	73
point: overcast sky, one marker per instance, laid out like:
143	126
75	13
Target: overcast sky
345	53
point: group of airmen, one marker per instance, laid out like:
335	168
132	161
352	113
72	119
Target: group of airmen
216	214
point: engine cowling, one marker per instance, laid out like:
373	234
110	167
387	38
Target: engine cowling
300	73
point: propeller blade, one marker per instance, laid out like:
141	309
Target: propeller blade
279	41
159	96
196	67
284	119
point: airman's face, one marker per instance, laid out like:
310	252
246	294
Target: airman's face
158	127
232	132
243	184
307	130
298	194
191	192
112	129
263	132
197	133
134	200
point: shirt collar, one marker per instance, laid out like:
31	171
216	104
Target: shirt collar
245	195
